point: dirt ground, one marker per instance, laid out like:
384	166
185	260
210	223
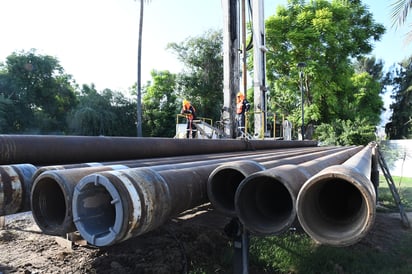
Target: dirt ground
191	240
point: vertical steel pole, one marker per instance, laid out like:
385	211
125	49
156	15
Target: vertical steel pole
301	65
302	99
259	68
231	59
139	73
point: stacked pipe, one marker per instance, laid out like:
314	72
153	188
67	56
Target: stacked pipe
265	201
179	176
16	180
15	186
110	190
224	181
75	151
337	206
332	196
52	190
52	149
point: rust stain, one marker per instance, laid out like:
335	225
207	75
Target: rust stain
6	188
6	181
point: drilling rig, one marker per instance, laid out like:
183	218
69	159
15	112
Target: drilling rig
235	72
234	57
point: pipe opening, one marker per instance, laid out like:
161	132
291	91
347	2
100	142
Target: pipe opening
95	210
265	205
334	208
223	186
48	203
339	202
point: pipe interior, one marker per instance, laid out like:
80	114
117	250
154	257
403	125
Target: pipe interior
96	211
48	203
223	187
265	204
333	207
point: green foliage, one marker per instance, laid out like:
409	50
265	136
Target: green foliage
5	104
160	105
346	132
400	80
105	113
365	101
326	35
36	93
370	65
202	81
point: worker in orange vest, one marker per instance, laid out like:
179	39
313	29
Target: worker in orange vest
242	106
189	111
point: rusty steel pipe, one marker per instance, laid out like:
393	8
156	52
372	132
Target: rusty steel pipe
54	149
225	179
113	206
337	206
43	169
15	187
51	198
170	160
52	191
265	201
127	203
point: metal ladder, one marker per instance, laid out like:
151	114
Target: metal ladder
393	189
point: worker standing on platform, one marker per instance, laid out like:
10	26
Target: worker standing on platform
189	111
242	106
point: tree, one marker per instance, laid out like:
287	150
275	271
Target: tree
400	12
346	132
124	109
102	113
370	65
400	80
327	36
35	93
160	105
366	102
202	81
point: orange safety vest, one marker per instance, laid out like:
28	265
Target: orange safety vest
239	107
189	116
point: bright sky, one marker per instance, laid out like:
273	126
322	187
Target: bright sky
96	40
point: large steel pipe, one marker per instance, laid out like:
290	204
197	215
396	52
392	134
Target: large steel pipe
16	149
338	205
52	195
111	207
148	162
15	187
226	178
42	169
265	201
52	191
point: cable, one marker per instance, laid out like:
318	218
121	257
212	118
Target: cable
250	45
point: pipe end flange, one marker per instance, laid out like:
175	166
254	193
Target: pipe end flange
98	210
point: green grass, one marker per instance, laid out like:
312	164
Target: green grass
404	188
295	252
